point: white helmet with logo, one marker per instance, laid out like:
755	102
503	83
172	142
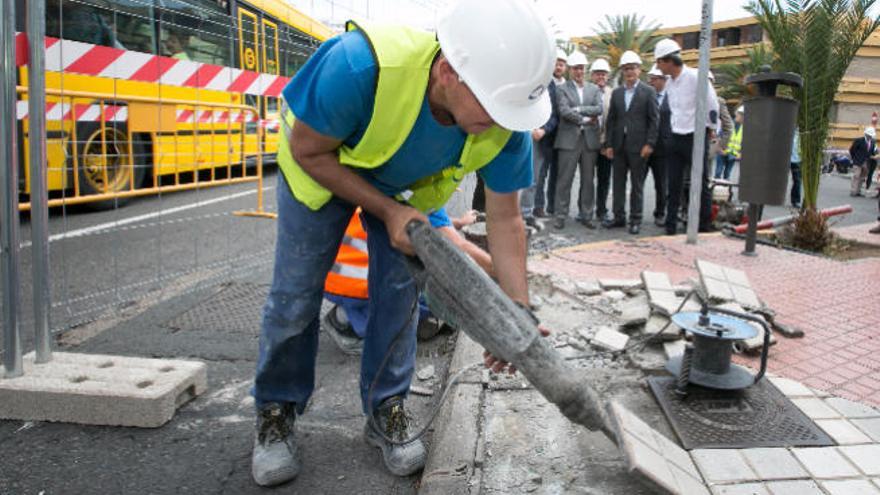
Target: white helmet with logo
577	58
655	72
665	47
600	65
507	63
629	57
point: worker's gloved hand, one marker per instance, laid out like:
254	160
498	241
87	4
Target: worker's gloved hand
497	365
396	221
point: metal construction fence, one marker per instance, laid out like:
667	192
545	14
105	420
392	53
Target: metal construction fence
114	206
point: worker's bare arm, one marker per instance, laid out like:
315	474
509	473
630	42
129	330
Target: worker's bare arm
318	156
507	243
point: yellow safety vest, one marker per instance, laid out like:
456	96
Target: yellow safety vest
404	57
734	146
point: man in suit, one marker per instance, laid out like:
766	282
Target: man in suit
861	150
599	75
577	140
547	176
630	136
657	161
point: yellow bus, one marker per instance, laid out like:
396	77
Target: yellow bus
145	96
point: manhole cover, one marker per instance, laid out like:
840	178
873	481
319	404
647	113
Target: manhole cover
237	307
759	416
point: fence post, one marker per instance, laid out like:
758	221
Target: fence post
36	27
9	244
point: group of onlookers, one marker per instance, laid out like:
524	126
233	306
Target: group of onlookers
617	136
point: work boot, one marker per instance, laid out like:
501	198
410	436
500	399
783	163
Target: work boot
275	459
539	213
391	419
340	330
559	223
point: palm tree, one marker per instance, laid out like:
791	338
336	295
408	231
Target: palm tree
816	39
617	34
731	76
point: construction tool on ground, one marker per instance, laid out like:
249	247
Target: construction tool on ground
707	361
460	292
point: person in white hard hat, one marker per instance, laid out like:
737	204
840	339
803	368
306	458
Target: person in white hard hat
630	136
860	151
681	89
657	162
599	75
545	182
577	141
391	118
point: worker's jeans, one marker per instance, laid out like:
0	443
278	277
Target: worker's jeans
305	250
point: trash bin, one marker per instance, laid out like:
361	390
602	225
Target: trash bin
769	121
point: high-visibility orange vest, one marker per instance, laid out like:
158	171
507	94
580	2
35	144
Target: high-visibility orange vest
348	277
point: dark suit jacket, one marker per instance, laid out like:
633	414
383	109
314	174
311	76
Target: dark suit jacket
546	142
860	152
640	124
665	127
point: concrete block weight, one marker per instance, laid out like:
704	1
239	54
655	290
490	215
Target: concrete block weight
101	390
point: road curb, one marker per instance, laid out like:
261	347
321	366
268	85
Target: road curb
454	465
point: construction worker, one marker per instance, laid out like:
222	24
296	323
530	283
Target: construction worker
392	119
733	153
346	283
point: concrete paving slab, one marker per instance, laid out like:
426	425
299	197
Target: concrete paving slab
825	463
774	464
791	388
740	489
795	487
815	408
843	432
452	458
723	466
656	281
871	427
101	389
654	457
620	284
865	457
852	410
634	311
850	487
673	348
610	339
670	331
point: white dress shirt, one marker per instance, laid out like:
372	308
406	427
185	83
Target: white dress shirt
682	94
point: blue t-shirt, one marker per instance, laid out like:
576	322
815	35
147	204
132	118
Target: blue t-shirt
334	94
439	219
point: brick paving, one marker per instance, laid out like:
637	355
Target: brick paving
837	304
859	233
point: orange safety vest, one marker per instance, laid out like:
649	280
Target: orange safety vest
348	277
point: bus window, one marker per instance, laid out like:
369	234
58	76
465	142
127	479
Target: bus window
89	21
296	47
196	30
270	47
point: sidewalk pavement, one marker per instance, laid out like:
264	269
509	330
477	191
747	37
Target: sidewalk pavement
498	435
206	447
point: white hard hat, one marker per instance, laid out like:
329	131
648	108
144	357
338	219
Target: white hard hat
506	63
600	65
577	58
665	47
870	132
629	57
561	55
741	109
655	72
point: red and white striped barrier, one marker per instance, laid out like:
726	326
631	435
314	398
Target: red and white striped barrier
103	61
56	111
778	222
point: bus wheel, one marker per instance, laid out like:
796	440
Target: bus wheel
104	165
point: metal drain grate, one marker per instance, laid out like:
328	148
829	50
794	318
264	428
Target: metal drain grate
237	307
759	416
